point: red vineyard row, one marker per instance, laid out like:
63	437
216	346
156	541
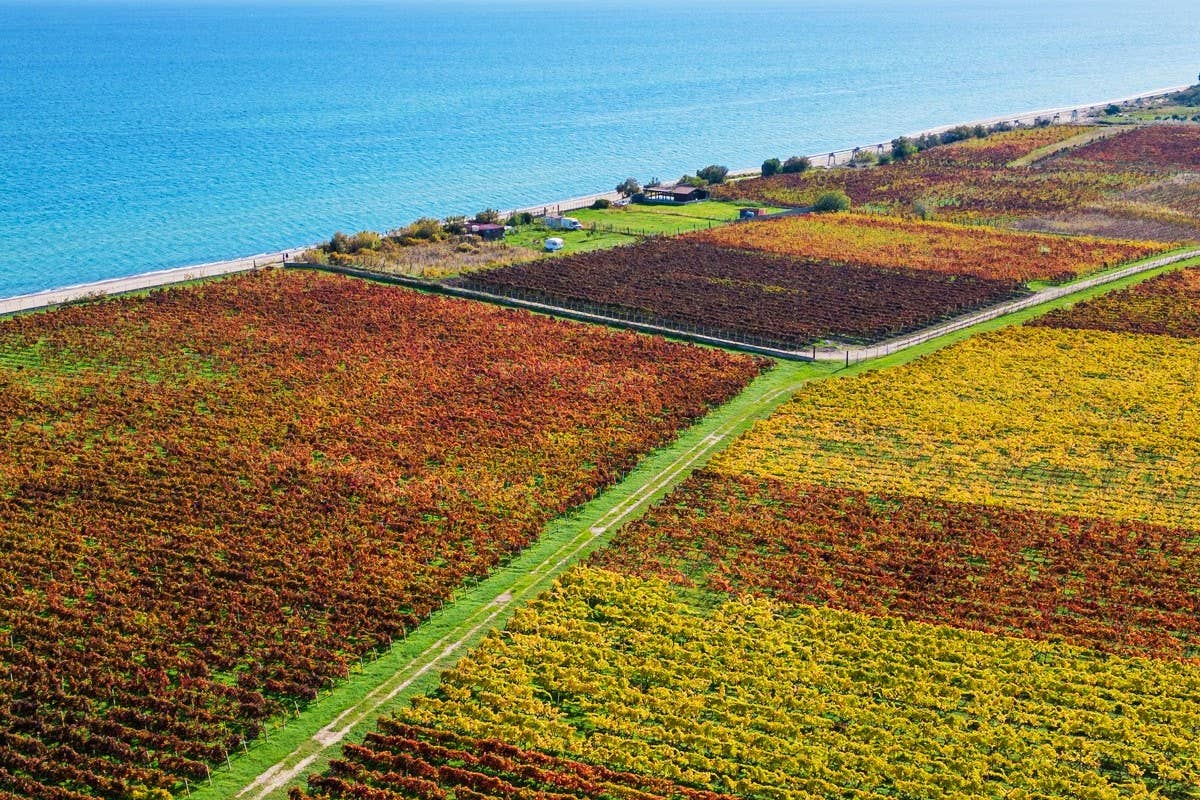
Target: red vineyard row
213	500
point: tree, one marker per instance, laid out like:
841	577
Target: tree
771	167
455	226
693	180
520	218
425	228
339	243
832	201
365	240
713	173
488	215
629	187
796	164
864	158
903	148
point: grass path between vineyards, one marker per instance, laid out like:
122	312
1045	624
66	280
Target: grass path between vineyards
413	666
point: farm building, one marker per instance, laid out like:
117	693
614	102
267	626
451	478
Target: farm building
488	231
674	194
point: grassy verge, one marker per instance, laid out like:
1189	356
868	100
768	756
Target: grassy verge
1087	137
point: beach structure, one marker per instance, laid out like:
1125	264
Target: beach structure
674	194
488	231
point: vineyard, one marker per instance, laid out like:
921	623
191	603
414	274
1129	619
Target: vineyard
972	576
787	301
1111	186
1154	149
657	694
1120	587
999	149
884	242
214	499
1075	422
1167	305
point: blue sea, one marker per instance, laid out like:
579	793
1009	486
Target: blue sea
143	135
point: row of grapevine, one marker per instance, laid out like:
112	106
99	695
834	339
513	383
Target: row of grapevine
214	500
878	241
1068	422
1122	587
789	300
1167	305
756	700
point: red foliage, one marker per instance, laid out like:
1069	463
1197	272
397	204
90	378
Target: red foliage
1168	305
746	296
1129	588
446	761
266	477
1153	148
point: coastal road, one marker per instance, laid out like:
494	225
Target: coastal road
146	280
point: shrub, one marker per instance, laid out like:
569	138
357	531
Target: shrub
425	229
832	201
713	173
1111	109
455	226
796	164
864	158
693	180
338	243
771	167
903	147
602	203
520	218
629	187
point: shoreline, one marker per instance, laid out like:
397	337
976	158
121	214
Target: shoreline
165	277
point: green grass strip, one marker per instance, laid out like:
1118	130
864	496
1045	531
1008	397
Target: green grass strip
413	666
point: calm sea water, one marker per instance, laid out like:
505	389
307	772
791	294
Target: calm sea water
148	135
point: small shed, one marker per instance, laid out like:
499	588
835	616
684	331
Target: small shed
488	231
675	194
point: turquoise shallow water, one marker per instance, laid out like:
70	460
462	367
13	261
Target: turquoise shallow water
147	135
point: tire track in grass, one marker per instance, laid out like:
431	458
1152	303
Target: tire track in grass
488	605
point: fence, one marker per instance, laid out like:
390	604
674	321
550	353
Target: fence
856	355
470	287
629	318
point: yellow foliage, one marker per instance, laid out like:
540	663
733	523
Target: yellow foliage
1080	422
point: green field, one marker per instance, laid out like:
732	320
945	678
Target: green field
610	227
663	219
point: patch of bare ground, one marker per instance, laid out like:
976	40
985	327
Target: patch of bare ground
1179	194
1098	222
437	259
